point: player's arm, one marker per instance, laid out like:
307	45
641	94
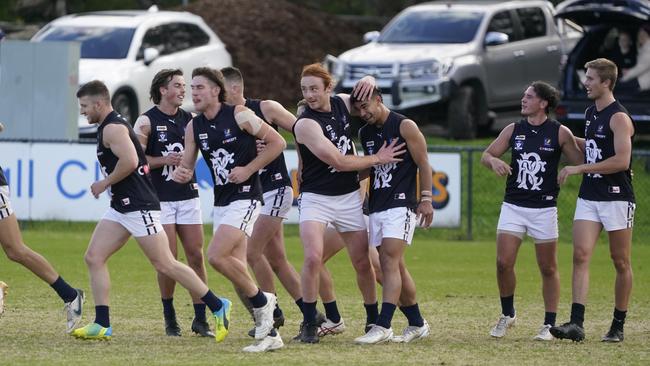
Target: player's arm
255	126
116	138
569	146
622	128
309	133
185	170
275	113
491	157
362	91
417	147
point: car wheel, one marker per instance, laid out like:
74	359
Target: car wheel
462	114
124	105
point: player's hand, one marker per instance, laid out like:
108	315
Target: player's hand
182	174
98	187
239	174
425	213
363	88
174	158
500	167
389	153
566	172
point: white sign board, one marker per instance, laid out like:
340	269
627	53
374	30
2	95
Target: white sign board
51	181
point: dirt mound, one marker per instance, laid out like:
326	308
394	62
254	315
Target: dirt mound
271	40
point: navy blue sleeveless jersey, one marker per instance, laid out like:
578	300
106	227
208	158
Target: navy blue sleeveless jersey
136	191
536	154
274	175
599	145
168	135
391	185
3	180
317	176
224	146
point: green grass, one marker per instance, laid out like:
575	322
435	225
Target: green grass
456	289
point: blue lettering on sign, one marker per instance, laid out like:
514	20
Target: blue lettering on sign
59	175
19	190
203	176
31	178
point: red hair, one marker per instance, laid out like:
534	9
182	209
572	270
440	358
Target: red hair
317	70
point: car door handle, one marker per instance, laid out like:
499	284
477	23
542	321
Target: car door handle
519	53
551	48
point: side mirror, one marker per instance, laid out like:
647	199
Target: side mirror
496	38
370	36
150	54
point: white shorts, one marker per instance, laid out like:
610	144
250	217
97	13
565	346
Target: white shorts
138	223
539	223
614	215
5	203
277	202
187	212
241	214
398	223
344	212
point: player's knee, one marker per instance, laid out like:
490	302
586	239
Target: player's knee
504	266
548	270
216	262
312	262
195	259
16	254
362	264
580	256
621	264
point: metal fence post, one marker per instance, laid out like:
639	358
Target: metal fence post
470	199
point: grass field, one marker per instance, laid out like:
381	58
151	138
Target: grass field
457	294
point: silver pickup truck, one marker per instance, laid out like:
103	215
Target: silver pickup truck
459	63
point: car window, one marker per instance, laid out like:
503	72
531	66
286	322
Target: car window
96	42
533	22
198	37
432	27
502	22
153	38
178	37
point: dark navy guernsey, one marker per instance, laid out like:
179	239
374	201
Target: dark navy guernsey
224	145
536	154
136	191
274	175
168	135
317	176
599	146
391	185
3	180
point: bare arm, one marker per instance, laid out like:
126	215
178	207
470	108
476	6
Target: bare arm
274	144
417	147
184	172
491	157
623	130
309	133
116	138
142	130
569	146
275	113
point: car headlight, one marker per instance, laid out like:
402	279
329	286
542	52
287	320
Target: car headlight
334	65
431	69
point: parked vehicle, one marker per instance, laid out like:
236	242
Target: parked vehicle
460	62
603	20
125	49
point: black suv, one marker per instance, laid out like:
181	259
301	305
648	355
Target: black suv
602	21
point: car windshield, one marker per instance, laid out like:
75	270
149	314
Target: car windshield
432	27
96	42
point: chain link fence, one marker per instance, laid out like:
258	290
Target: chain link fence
482	195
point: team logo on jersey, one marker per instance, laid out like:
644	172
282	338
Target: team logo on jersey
599	132
400	196
520	137
328	128
143	169
600	128
383	175
220	160
169	169
204	145
227	133
592	154
161	128
126	201
547	145
614	189
162	136
370	143
547	142
519	145
530	165
344	145
244	189
277	176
